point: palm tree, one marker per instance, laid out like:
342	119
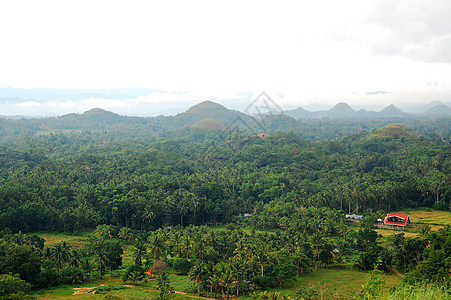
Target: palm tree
186	246
101	259
126	234
194	201
236	265
148	215
317	242
226	281
213	281
139	251
75	258
60	254
196	274
157	245
260	257
87	266
183	209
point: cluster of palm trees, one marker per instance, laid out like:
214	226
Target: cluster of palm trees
232	260
99	253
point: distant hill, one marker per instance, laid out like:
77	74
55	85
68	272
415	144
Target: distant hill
438	110
206	107
392	111
208	110
300	113
209	124
340	110
395	130
343	110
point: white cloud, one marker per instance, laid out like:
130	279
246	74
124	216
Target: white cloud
417	29
29	104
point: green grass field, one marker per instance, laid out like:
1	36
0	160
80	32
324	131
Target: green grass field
75	241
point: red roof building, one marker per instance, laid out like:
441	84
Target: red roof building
397	220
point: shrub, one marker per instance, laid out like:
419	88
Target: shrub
134	272
48	277
72	275
182	266
12	287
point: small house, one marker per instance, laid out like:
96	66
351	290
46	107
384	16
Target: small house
398	220
354	217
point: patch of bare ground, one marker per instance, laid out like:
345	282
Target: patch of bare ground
193	296
85	290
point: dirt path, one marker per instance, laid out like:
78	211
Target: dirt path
80	291
397	272
193	296
86	290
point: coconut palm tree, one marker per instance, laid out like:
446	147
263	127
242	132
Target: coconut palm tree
213	281
226	281
60	254
139	251
197	273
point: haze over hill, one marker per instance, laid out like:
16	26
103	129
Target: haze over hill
151	102
337	122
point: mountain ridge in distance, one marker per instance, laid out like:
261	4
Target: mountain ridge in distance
438	110
343	110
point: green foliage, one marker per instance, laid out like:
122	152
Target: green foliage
307	293
12	287
72	275
436	263
111	297
164	286
182	266
419	292
19	259
133	273
373	286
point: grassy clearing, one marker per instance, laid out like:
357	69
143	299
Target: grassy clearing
180	282
392	231
334	283
433	217
75	241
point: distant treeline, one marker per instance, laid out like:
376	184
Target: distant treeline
113	126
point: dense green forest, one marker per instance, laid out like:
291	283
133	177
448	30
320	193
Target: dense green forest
67	182
156	189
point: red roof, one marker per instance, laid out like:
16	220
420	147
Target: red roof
405	218
398	215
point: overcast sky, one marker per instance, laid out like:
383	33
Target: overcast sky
302	53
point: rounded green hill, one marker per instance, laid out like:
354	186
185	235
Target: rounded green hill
395	130
209	124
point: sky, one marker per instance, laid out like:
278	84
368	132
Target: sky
367	53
